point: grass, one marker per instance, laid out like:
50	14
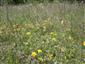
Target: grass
56	29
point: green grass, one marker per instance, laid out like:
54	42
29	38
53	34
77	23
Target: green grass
56	28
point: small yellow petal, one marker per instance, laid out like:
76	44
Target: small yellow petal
39	51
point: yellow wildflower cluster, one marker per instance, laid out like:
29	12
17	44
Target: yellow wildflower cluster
34	54
40	56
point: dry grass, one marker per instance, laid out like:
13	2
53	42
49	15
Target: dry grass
56	28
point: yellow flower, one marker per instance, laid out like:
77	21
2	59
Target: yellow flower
39	51
28	33
84	43
34	54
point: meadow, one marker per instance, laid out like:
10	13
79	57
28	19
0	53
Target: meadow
51	33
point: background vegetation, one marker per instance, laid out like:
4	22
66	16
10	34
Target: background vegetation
57	29
37	1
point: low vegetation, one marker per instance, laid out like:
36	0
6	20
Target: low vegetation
42	34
